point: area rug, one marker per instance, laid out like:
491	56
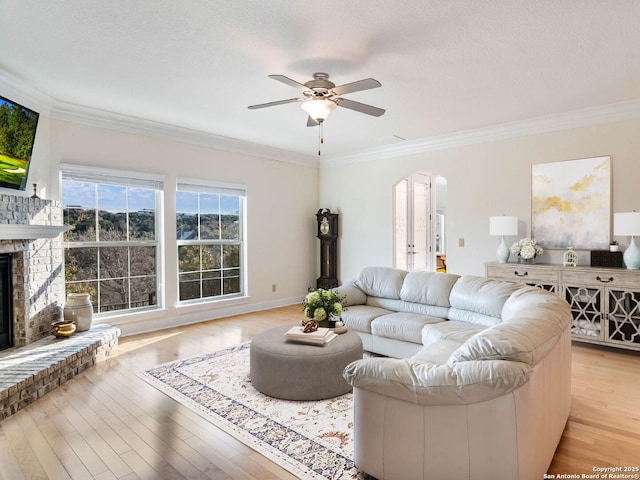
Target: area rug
312	440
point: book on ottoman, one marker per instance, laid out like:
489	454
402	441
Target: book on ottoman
322	336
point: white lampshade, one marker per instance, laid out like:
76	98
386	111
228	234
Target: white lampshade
319	110
503	225
626	224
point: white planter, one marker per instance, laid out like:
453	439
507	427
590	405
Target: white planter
79	309
614	248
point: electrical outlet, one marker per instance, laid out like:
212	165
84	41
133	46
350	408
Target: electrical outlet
461	242
273	287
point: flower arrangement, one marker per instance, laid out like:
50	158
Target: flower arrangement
321	305
526	248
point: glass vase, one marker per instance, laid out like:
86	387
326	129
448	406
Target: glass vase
527	261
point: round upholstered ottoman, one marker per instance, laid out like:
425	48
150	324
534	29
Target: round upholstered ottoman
295	371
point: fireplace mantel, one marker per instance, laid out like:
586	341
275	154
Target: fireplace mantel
31	232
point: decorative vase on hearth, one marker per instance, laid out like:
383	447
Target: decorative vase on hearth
78	308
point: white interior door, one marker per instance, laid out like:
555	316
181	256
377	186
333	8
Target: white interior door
401	239
413	230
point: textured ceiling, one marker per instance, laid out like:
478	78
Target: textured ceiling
445	66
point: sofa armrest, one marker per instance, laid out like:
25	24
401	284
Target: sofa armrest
350	294
460	383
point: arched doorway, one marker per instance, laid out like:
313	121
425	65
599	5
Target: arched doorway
419	222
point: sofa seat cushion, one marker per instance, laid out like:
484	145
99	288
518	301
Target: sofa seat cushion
459	332
402	326
436	353
359	317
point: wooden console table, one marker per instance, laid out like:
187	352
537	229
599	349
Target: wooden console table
605	302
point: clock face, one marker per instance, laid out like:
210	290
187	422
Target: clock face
324	226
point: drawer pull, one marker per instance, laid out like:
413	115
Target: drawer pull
602	280
520	274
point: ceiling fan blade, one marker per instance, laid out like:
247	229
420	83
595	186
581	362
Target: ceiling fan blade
279	102
365	84
359	107
311	122
291	83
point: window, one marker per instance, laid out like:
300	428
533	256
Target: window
210	236
112	251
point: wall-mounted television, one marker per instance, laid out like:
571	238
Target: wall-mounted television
18	127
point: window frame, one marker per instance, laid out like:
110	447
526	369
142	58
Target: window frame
129	179
197	186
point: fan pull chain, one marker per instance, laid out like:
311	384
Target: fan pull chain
320	136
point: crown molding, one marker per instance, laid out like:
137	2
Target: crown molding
564	121
22	92
33	98
128	124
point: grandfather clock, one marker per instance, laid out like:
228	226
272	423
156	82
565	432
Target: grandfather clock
328	235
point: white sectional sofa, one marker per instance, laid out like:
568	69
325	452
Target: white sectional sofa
477	380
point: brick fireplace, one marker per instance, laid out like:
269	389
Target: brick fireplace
30	232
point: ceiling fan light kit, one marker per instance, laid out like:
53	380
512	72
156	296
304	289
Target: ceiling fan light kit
319	99
318	109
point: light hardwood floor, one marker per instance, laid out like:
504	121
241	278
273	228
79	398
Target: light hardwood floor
107	423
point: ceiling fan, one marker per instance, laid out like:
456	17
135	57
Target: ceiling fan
320	97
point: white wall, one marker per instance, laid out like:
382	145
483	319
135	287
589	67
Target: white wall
482	180
282	199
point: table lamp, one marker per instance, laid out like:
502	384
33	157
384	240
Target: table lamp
502	226
628	224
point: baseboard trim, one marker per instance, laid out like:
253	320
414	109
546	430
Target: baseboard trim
130	327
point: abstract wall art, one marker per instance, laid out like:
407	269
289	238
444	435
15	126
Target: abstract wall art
571	203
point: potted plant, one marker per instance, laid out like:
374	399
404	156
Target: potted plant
613	246
324	306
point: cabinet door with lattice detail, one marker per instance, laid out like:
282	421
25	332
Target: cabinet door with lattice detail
623	317
549	287
587	311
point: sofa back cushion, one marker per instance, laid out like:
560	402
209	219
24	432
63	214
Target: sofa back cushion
479	300
381	282
533	322
429	288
